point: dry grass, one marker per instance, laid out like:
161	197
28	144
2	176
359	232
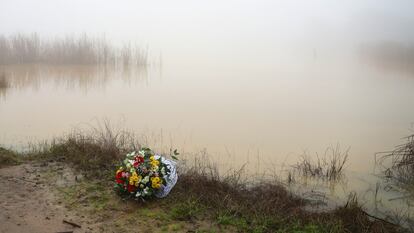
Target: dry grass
95	150
401	163
330	166
262	206
8	158
231	190
84	50
355	219
201	193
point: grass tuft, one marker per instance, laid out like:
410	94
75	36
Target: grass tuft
95	151
330	166
8	158
401	160
186	210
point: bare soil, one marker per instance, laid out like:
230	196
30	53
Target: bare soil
42	197
29	204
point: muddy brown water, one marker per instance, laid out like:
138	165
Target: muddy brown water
254	82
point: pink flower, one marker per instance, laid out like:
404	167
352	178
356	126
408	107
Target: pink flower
125	174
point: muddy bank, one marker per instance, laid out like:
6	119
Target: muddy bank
28	203
72	180
42	197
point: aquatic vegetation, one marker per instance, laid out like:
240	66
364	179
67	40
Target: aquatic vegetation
398	164
330	166
82	50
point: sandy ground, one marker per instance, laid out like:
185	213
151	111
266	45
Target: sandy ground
27	203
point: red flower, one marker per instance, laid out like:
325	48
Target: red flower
131	188
118	178
138	161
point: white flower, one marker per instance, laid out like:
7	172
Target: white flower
145	180
163	171
146	191
130	155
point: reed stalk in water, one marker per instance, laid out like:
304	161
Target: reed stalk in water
82	50
401	166
330	166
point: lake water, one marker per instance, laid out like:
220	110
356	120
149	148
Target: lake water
256	82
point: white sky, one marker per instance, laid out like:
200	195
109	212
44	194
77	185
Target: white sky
194	19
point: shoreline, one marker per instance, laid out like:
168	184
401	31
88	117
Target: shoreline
202	200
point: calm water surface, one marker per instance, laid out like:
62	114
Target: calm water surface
247	81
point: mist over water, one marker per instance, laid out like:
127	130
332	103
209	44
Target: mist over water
246	80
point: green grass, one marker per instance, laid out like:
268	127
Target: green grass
187	210
230	220
155	213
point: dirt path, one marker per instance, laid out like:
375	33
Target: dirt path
27	203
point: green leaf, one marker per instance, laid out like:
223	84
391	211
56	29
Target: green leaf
174	157
176	152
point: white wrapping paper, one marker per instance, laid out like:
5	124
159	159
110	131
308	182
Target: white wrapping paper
171	178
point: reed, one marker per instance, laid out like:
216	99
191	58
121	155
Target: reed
330	166
401	165
82	50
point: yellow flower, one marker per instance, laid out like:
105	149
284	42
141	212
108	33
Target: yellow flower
155	163
156	182
121	169
134	179
152	158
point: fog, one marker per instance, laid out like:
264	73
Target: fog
244	79
197	28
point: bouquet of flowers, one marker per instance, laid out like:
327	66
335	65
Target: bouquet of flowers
145	174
